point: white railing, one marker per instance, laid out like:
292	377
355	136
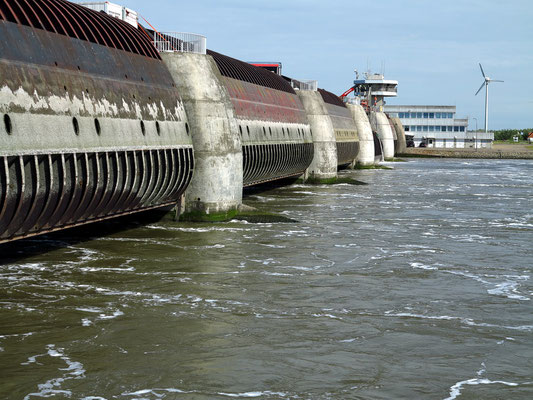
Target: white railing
309	85
180	41
304	85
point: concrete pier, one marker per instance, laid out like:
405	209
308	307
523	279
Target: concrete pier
400	135
324	164
344	127
364	131
215	192
380	123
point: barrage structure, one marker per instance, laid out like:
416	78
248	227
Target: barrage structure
101	120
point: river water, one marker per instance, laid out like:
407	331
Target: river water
416	286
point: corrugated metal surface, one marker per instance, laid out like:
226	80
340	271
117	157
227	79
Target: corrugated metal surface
242	71
73	20
257	102
331	98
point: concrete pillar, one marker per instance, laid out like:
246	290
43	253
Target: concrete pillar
380	123
400	133
364	131
324	164
215	192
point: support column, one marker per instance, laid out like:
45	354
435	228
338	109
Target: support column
215	192
400	133
364	130
380	123
323	168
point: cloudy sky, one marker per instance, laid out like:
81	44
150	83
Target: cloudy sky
431	47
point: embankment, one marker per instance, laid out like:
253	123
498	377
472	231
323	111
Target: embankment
467	153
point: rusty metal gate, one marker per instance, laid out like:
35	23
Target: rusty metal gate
47	192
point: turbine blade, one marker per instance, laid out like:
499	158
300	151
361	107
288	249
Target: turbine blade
481	87
483	72
495	80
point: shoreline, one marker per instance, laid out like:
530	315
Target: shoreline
416	152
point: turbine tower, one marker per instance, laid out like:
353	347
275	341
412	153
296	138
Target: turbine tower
486	84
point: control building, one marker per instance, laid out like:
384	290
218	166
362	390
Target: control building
437	126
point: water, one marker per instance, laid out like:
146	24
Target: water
418	285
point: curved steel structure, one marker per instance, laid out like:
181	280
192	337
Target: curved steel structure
345	128
92	125
276	138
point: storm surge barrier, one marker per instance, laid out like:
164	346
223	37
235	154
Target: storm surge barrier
101	117
92	125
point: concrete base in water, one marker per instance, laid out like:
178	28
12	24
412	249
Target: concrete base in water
364	130
324	164
215	192
380	123
400	133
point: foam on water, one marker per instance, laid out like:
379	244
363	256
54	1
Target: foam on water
160	393
222	310
456	389
52	387
463	320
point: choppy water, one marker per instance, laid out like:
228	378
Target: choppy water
418	285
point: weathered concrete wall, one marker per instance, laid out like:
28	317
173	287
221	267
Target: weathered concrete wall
324	164
380	123
216	188
42	90
400	135
364	131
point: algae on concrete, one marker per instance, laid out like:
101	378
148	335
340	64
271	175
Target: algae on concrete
331	181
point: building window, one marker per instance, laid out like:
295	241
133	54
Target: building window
437	115
426	115
462	128
456	129
413	115
407	128
450	115
419	115
437	128
450	128
443	128
425	128
400	115
432	115
431	128
419	128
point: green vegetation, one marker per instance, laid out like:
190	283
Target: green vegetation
198	216
508	134
358	166
249	214
331	181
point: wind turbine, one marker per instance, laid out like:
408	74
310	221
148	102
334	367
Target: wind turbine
486	84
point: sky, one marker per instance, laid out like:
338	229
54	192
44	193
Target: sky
433	48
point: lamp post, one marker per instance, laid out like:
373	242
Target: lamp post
475	141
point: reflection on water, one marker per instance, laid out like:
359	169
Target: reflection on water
415	286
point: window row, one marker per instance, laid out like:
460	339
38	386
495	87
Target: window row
432	128
424	115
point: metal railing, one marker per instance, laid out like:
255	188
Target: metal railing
180	41
304	85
